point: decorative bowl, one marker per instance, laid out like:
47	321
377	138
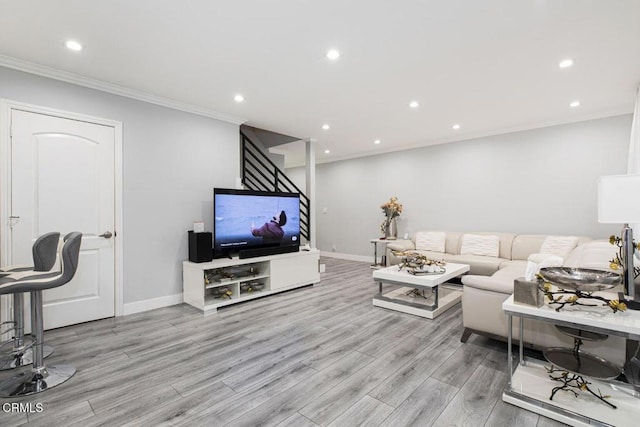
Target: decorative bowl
580	279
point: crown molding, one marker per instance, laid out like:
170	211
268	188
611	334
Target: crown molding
65	76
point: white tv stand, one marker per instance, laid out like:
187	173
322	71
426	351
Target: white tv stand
222	282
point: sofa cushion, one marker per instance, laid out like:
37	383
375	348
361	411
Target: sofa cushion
501	281
400	245
431	241
527	244
514	262
452	246
559	245
477	244
452	241
596	254
506	241
478	264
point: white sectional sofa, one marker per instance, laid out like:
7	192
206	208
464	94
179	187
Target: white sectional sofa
513	250
490	282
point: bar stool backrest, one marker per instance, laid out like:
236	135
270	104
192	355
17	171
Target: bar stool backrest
45	250
70	257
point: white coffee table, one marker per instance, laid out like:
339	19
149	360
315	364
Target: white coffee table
420	295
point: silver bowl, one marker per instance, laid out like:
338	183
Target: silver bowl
581	279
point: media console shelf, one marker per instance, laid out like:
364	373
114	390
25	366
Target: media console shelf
222	282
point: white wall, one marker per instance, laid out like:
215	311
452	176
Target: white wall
537	181
171	162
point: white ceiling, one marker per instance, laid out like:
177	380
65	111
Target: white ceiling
491	65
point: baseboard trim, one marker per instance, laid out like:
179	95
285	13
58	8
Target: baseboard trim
151	304
348	257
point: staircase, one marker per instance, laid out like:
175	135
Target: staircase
259	173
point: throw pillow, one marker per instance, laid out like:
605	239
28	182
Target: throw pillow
477	244
537	261
431	241
559	245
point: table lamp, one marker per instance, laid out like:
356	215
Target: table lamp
619	203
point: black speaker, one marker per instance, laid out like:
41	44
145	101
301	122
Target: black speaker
200	246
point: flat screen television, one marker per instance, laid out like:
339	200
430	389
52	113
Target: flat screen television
255	223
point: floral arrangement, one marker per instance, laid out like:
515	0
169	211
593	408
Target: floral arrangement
392	208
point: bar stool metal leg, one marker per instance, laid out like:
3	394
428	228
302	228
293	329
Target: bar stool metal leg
21	354
41	377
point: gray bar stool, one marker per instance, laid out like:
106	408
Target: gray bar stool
41	377
44	251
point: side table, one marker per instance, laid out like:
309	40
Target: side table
383	257
529	384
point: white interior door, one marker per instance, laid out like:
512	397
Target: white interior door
63	179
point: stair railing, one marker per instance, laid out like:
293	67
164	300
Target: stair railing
261	174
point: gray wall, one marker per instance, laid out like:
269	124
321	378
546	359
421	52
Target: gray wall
171	162
537	181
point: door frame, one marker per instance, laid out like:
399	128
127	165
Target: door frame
6	106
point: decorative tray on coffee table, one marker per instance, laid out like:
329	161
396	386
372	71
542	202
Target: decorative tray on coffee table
425	272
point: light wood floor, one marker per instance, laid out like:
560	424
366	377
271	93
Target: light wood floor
320	355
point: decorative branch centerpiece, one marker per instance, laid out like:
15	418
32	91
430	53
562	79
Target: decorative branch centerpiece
575	285
416	263
573	383
391	209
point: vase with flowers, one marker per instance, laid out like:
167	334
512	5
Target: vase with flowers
391	209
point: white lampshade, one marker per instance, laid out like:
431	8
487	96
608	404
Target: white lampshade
619	199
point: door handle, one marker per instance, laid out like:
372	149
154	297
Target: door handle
106	235
13	220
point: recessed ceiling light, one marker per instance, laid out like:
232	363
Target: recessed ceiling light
327	151
326	126
377	141
238	98
73	45
414	104
574	104
455	127
566	63
333	54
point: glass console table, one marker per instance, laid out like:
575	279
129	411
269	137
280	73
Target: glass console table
529	383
